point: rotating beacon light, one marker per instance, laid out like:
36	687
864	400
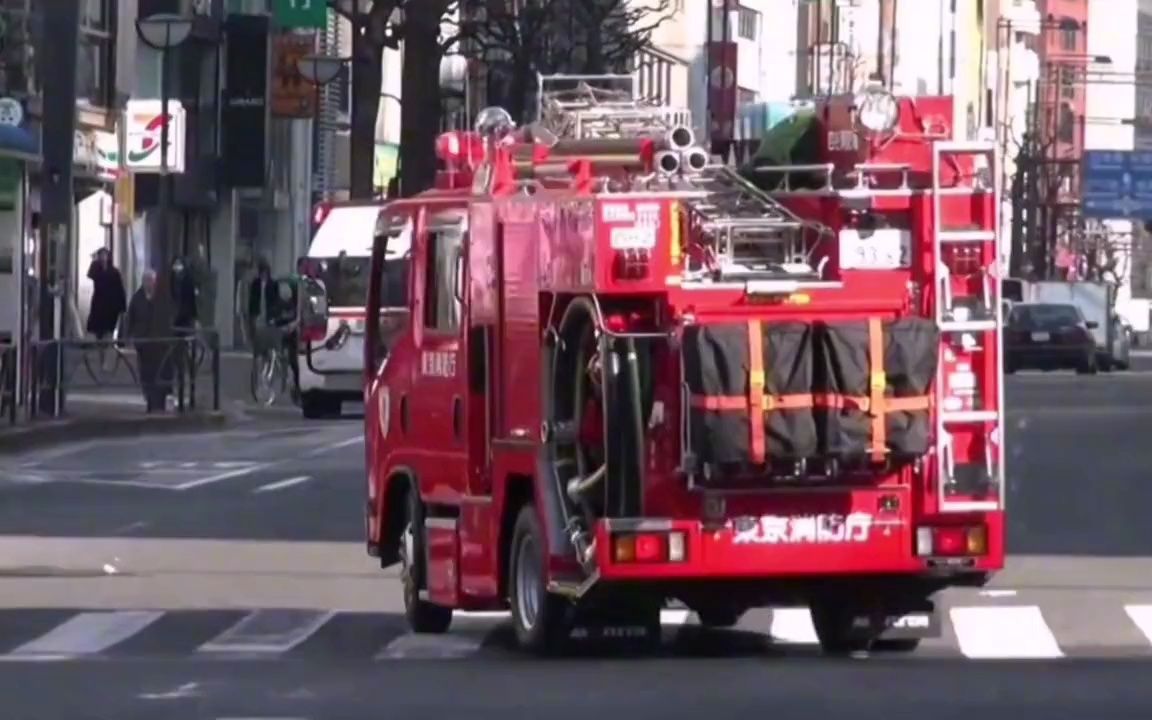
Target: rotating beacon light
877	109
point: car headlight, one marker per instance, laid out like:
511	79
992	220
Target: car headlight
877	110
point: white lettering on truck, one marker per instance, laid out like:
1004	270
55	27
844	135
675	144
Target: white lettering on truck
820	529
434	363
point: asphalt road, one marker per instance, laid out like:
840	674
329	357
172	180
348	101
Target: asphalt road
189	565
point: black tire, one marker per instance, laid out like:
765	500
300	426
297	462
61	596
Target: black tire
422	616
540	619
1087	366
834	624
312	405
719	617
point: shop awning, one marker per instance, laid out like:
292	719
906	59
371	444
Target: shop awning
19	144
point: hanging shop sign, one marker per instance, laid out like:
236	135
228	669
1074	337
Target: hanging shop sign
143	123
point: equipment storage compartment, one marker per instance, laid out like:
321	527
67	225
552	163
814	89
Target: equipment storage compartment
876	377
748	410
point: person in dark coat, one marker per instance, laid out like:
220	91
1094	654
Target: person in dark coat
109	300
182	284
149	321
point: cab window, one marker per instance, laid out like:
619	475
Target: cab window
442	298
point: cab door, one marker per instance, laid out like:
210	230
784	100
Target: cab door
441	378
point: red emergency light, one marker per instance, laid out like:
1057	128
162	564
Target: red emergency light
460	149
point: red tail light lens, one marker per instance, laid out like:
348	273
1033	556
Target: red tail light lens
313	332
648	547
952	541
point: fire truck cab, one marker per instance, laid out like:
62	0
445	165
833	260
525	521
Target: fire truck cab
631	376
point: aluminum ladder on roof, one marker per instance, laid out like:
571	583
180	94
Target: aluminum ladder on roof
977	322
738	214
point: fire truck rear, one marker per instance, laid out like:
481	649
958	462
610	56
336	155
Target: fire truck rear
634	377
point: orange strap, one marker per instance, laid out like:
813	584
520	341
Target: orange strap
756	352
877	384
731	403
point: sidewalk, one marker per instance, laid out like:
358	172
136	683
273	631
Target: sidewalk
114	407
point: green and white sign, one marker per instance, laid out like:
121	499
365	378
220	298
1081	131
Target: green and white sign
291	14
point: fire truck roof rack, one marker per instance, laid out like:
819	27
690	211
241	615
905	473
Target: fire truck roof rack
581	107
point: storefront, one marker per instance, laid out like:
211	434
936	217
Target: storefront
94	162
18	149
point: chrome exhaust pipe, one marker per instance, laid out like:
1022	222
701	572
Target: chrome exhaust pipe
667	162
695	159
680	137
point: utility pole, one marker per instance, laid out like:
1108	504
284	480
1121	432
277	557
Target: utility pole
57	55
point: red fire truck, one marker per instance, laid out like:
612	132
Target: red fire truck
632	376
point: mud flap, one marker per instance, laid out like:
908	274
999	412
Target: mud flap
617	623
913	622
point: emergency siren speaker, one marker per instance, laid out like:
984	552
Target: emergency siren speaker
667	162
680	137
695	159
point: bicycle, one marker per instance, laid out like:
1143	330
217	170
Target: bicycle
271	366
94	358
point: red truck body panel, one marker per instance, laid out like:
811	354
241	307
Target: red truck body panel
463	414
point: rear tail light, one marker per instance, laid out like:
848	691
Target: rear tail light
952	541
313	332
632	264
648	547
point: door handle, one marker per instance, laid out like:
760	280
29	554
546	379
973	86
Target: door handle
457	417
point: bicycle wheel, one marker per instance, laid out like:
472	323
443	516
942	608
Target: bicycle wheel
267	388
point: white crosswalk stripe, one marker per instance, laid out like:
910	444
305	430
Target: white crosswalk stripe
88	633
1142	616
268	631
975	632
1000	633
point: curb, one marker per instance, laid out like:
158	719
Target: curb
54	432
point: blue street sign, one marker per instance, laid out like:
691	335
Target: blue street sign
1116	184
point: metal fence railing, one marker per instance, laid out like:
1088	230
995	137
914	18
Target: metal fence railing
179	372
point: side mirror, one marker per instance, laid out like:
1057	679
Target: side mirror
1092	324
313	310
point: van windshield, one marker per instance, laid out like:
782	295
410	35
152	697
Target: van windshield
346	281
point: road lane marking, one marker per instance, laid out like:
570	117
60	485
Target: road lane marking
792	626
220	477
1142	616
282	484
268	632
88	633
432	647
335	446
1006	632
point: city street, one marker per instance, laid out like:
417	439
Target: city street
188	564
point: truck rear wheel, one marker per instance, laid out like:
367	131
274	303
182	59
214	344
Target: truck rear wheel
539	617
835	624
422	616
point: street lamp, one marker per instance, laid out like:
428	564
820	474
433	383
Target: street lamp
320	70
163	32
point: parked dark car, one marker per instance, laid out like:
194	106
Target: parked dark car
1049	336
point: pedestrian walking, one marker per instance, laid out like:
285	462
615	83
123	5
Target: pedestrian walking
109	300
149	322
